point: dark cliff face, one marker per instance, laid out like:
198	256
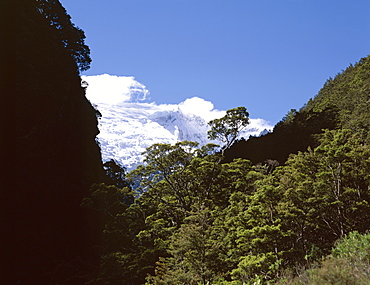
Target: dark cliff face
56	158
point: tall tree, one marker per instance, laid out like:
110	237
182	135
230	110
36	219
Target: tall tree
194	252
326	192
227	128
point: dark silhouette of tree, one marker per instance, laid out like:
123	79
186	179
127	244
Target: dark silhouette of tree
116	173
227	128
295	132
72	37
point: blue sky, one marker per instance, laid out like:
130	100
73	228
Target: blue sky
267	55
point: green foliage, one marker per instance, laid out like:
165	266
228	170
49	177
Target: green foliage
338	272
343	102
177	176
324	195
194	253
254	231
227	128
192	246
349	263
295	132
124	255
253	268
349	93
354	247
195	220
116	173
263	221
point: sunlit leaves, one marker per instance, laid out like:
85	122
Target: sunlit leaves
202	220
227	128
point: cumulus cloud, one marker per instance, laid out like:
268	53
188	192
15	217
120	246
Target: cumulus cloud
200	107
111	89
129	124
256	127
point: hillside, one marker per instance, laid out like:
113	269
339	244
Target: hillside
184	217
349	93
343	102
55	156
193	219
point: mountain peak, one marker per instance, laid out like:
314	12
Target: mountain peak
127	128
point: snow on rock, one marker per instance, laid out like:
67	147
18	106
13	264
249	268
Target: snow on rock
127	129
128	125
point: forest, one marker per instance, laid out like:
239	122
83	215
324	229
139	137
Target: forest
290	207
188	217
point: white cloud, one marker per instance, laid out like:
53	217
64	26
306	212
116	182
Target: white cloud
200	107
114	90
255	127
128	125
111	89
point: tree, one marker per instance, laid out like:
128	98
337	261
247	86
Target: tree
326	193
345	167
71	37
194	252
349	93
113	204
255	237
116	173
124	257
227	128
294	214
177	175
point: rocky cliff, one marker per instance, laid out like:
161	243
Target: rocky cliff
55	158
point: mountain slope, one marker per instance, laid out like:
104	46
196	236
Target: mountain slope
343	102
349	92
55	156
127	129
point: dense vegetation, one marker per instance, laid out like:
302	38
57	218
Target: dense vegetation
193	220
343	102
193	217
190	216
291	207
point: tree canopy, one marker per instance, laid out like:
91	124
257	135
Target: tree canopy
198	218
71	37
203	222
227	128
292	206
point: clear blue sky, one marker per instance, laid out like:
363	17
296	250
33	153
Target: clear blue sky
267	55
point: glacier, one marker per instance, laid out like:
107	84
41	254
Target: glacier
128	124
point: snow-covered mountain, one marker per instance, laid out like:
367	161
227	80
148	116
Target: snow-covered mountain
127	128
